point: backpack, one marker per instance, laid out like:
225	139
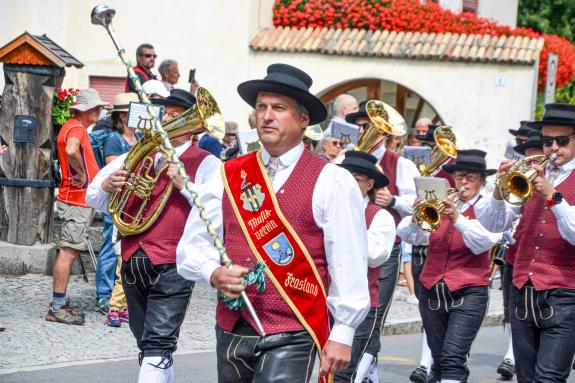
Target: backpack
98	140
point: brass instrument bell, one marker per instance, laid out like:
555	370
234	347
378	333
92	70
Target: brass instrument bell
384	120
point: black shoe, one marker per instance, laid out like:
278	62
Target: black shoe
419	375
506	369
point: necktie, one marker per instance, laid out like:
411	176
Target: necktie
553	173
272	167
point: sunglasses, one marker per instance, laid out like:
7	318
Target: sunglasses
520	141
336	144
365	126
149	55
561	140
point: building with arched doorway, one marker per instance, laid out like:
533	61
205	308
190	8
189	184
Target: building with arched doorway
481	85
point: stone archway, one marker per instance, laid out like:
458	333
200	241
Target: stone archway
409	103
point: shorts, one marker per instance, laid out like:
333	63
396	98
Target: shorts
76	220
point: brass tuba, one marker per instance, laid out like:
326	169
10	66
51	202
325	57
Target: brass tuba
515	185
427	214
138	215
384	120
443	150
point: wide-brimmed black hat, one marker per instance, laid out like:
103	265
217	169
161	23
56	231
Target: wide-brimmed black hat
288	81
177	97
471	160
556	115
366	164
523	129
429	136
533	141
361	112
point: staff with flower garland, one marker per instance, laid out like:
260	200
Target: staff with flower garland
303	219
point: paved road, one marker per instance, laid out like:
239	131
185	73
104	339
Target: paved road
396	363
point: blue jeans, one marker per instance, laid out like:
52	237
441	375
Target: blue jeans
106	268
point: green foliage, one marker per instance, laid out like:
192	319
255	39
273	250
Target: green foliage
549	16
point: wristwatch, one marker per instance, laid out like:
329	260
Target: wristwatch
392	203
556	199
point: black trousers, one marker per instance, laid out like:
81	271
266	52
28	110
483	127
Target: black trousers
157	299
387	281
365	340
282	358
543	328
451	320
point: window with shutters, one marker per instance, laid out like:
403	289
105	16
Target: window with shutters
108	87
470	6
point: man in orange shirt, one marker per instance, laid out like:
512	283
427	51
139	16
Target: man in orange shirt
79	167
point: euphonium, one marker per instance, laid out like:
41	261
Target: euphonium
427	214
384	120
443	150
515	185
137	216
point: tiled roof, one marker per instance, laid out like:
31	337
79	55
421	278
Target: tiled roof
404	45
56	49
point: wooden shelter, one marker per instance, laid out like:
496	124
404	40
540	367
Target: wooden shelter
33	67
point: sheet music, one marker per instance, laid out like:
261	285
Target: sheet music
346	133
418	154
248	141
138	116
431	188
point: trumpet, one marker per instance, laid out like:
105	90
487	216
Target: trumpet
427	214
515	186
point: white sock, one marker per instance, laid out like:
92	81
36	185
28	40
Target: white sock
509	355
149	373
363	367
449	381
426	358
373	377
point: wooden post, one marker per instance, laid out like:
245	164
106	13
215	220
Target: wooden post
33	67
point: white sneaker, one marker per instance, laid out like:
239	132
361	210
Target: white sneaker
398	295
412	300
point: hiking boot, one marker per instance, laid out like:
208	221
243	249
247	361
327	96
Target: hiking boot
102	306
506	369
113	319
64	316
124	316
72	310
419	375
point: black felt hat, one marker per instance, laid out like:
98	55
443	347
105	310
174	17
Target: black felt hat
361	112
177	97
556	115
533	141
288	81
523	129
366	164
470	160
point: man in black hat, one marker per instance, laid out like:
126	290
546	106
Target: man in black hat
455	278
542	298
380	239
521	136
156	294
300	216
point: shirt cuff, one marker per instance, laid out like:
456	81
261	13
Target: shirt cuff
208	269
561	210
461	223
342	333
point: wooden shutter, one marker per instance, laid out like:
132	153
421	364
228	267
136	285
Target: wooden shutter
108	87
470	6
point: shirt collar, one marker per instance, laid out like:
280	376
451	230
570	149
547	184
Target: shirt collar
365	202
569	166
287	158
182	148
379	152
471	201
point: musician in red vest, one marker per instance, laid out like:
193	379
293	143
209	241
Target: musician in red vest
397	198
145	59
455	277
301	217
156	294
542	298
380	240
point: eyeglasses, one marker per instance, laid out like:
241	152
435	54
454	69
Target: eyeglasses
561	140
470	177
149	55
365	126
520	141
336	143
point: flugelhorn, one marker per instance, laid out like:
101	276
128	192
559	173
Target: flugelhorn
102	15
384	120
444	149
515	185
427	213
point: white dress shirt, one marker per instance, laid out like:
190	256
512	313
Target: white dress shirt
97	198
337	210
406	172
498	215
475	236
380	237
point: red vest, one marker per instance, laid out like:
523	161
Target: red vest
449	259
140	70
372	272
389	165
543	256
443	174
159	242
295	201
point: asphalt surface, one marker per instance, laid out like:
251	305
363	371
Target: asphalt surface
399	357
